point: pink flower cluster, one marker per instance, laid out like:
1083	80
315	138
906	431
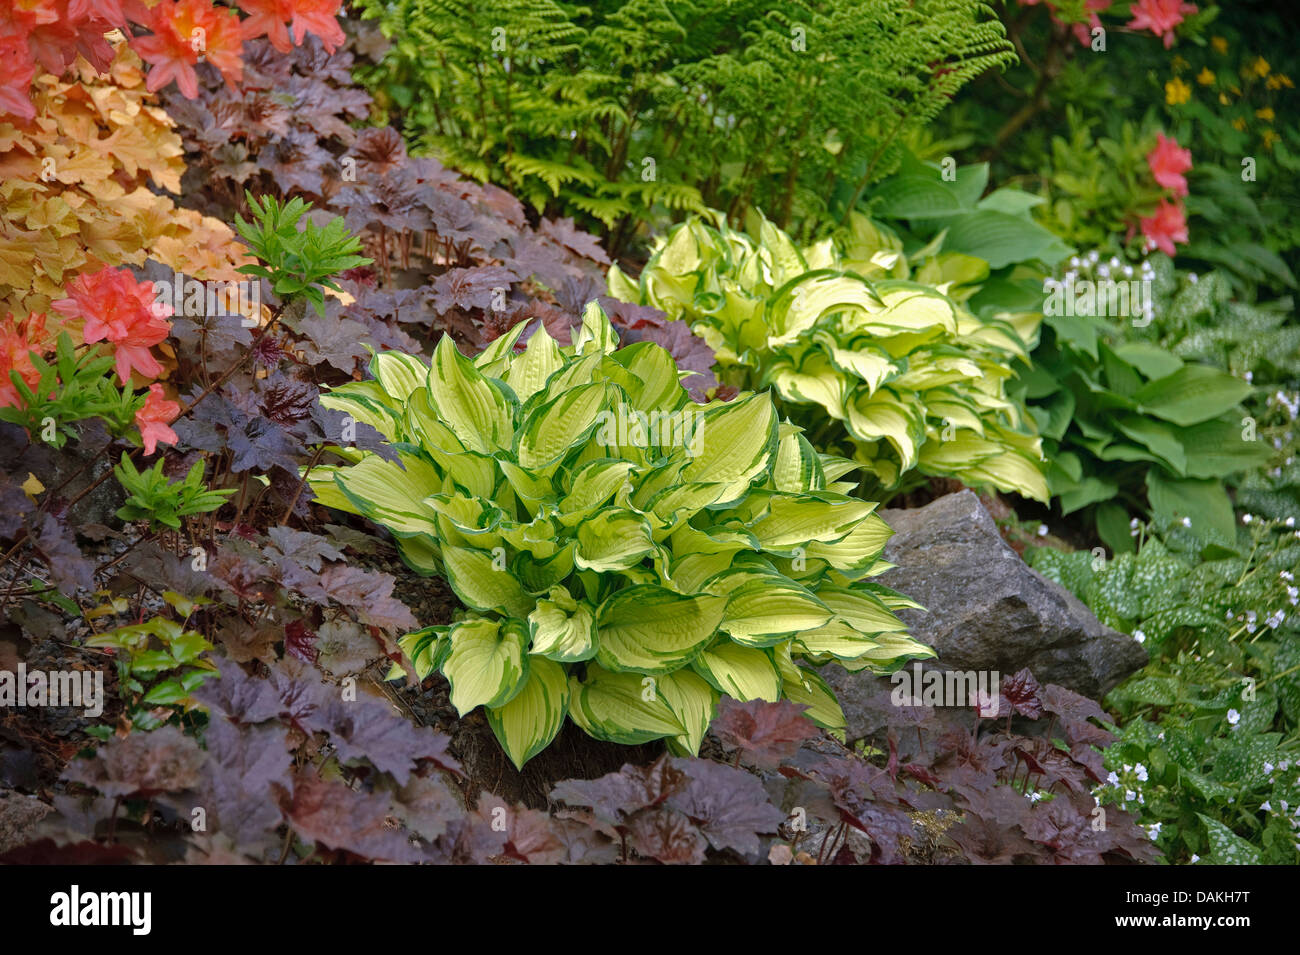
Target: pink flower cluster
114	307
1161	17
1168	224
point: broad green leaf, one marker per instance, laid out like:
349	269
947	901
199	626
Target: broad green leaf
562	629
651	629
692	702
614	539
621	707
765	611
745	673
531	719
553	428
1193	394
482	581
476	408
486	664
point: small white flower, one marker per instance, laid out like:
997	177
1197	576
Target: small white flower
1289	522
1141	772
1266	806
1192	277
1153	830
1042	530
1133	523
1140	637
1094	255
1249	376
1129	795
1234	717
1286	575
1113	779
1247	518
1194	858
1187	522
1268	768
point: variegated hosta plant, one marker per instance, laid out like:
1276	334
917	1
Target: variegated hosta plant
625	556
896	372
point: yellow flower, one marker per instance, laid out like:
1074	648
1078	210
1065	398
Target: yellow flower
1223	99
1239	123
1266	114
1279	80
1205	77
1261	67
1176	92
1220	44
1269	138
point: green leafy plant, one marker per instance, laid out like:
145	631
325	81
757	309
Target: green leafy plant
630	111
1208	754
869	357
299	257
72	388
158	663
1129	427
152	497
626	556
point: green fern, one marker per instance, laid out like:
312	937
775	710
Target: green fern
791	107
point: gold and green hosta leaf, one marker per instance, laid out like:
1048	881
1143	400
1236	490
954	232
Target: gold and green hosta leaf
898	370
625	557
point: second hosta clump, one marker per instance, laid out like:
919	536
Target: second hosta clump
626	556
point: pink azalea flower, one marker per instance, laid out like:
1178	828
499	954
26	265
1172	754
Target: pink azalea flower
1167	226
1168	163
118	309
153	419
1160	17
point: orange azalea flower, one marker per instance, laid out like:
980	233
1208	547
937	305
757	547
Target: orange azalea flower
117	308
153	419
309	16
17	341
186	32
1167	226
1168	163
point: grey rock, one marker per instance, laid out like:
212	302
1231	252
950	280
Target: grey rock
988	610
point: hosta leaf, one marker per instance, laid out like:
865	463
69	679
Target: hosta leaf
745	673
692	702
554	427
476	408
486	663
1193	394
651	629
739	437
482	581
621	707
562	629
531	719
614	539
765	611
